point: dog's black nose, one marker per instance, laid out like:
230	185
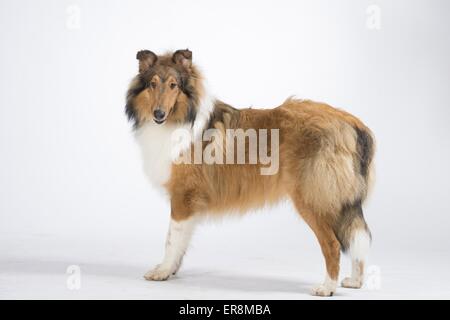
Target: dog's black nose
159	114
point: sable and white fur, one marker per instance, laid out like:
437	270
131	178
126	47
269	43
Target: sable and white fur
325	163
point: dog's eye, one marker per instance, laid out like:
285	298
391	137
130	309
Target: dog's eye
173	85
153	84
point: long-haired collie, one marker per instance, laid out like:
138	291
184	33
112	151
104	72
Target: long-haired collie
212	159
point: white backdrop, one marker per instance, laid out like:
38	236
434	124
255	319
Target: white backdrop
71	186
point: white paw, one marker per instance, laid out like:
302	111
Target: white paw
158	274
351	283
322	291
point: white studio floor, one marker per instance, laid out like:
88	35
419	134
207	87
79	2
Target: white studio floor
36	269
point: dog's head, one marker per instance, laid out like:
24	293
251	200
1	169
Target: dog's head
166	89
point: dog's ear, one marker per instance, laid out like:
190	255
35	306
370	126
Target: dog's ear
146	60
183	58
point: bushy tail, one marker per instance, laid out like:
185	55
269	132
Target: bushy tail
350	228
355	237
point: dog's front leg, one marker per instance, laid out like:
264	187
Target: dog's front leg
178	238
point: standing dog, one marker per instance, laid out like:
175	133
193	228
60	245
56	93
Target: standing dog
325	162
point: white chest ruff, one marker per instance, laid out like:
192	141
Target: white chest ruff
160	146
157	150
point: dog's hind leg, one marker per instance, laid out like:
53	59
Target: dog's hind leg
352	231
330	247
350	227
177	242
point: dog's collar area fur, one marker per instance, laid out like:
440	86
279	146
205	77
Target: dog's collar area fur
204	112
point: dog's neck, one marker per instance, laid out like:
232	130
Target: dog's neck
204	112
